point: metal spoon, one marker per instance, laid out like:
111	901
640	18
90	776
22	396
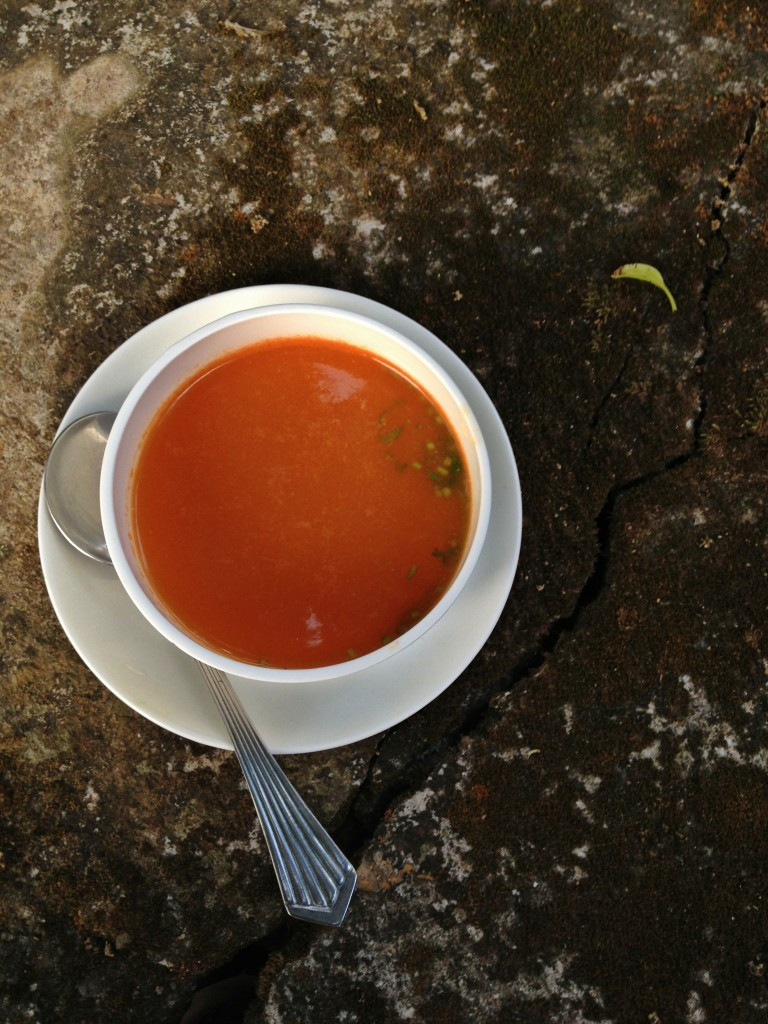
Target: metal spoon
316	879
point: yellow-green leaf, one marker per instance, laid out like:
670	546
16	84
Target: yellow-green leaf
645	272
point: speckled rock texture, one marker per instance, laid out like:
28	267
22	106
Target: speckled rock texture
576	831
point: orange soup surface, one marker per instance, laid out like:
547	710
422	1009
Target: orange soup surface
299	503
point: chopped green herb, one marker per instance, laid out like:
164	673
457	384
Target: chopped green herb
391	436
383	417
411	572
448	556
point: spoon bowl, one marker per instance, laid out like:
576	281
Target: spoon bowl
71	483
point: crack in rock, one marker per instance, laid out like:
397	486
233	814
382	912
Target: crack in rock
715	267
719	208
610	393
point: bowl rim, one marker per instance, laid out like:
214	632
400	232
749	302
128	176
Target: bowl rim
481	491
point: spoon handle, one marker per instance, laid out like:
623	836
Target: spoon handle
316	879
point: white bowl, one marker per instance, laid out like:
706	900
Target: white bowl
205	345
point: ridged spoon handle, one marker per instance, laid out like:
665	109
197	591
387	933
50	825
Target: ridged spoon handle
316	879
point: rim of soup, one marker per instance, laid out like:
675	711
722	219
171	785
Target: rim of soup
299	502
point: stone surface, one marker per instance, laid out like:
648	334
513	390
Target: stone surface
575	830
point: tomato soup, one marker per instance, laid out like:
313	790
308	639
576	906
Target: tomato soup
299	503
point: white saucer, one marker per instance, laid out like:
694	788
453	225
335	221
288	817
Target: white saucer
162	684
